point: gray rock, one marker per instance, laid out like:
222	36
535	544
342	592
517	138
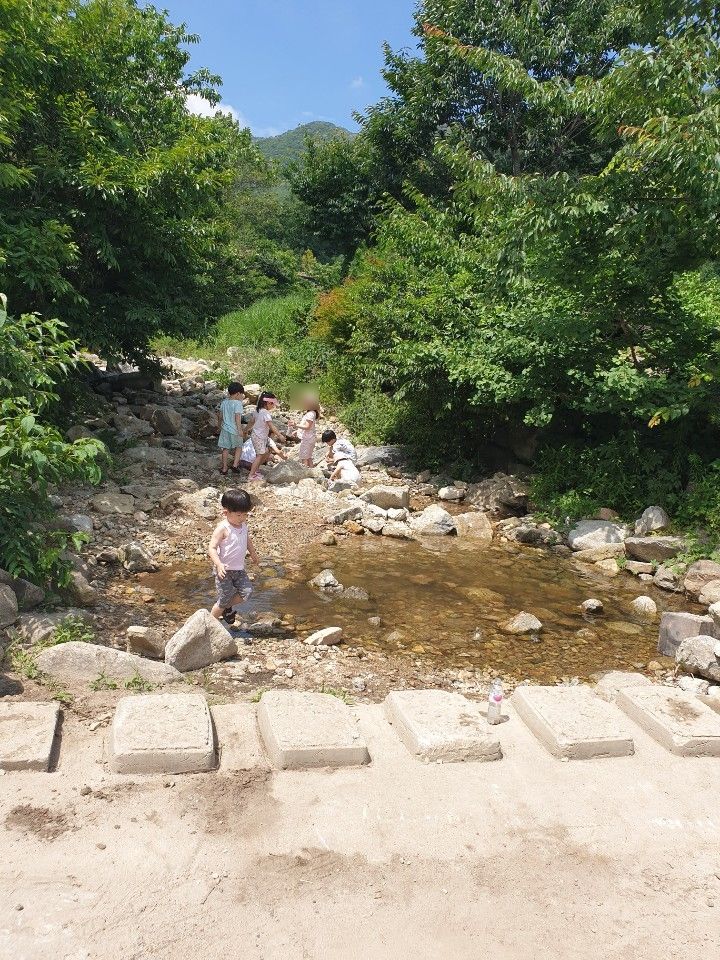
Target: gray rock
85	661
339	486
654	549
652	519
77	432
645	608
355	594
27	594
676	627
474	525
608	551
388	497
533	536
393	528
401	514
700	573
667	579
523	623
710	593
37	628
81	522
203	503
8	605
153	455
167	421
500	494
700	656
327	582
386	456
595	533
329	636
636	567
714	614
145	642
348	513
200	641
111	502
433	521
451	493
694	685
592	606
290	471
135	558
80	591
373	523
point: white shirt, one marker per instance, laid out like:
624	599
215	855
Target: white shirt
344	450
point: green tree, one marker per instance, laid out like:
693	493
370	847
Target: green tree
33	455
111	193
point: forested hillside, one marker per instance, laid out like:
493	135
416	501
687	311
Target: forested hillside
289	146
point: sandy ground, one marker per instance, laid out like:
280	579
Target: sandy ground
527	857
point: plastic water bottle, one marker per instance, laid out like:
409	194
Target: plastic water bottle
495	699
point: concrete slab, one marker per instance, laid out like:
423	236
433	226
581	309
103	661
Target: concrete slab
309	730
238	738
679	721
614	680
438	725
27	733
572	722
162	733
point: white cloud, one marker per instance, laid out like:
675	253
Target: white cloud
202	108
357	83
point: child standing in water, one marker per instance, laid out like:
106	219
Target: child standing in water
229	545
261	430
231	428
306	429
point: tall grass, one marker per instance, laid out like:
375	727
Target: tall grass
269	322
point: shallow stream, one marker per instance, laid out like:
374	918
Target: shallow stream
444	602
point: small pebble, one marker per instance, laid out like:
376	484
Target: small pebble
19	906
100	846
85	791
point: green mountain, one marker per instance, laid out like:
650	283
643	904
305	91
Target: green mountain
289	145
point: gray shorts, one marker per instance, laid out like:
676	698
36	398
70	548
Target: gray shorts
236	581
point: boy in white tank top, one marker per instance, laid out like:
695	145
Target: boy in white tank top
228	547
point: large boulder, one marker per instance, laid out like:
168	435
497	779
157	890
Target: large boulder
28	595
474	525
502	494
201	640
710	593
608	551
110	501
385	456
387	497
203	503
433	521
86	661
699	574
136	558
167	421
700	656
589	534
676	627
38	628
290	471
667	579
8	606
654	549
652	519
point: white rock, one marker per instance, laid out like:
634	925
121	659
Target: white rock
203	503
474	525
592	606
433	521
388	497
85	661
393	528
595	533
693	685
326	580
330	636
136	558
523	623
451	493
397	513
653	518
645	607
699	656
201	640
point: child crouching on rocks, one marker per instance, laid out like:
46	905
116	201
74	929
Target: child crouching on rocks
228	547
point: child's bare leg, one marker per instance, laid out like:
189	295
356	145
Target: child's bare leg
224	460
217	611
257	462
237	457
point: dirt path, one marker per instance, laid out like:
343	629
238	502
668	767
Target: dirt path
523	858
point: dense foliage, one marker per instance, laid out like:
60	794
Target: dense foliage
551	269
112	195
36	353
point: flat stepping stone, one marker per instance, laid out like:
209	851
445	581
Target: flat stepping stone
309	730
438	725
680	721
27	733
573	722
162	733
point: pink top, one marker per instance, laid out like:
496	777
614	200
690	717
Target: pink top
233	546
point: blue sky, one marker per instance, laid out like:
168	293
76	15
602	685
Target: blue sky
286	62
